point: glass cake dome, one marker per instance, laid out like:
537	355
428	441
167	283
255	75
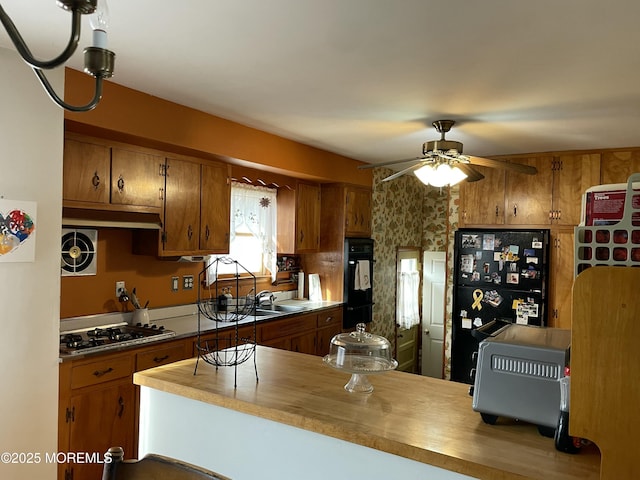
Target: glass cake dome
360	353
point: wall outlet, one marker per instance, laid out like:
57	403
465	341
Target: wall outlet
187	282
174	284
120	289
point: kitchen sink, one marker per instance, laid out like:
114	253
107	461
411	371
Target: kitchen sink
270	309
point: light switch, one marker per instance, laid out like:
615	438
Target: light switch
174	284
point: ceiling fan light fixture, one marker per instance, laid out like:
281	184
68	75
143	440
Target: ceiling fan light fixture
440	176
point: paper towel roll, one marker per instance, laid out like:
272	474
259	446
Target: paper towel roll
301	284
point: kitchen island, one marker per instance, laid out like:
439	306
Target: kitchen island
297	421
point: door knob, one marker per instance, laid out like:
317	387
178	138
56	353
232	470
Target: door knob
426	331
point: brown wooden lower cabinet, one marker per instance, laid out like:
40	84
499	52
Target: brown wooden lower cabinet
99	404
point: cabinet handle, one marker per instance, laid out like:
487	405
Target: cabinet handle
301	236
206	232
95	181
515	210
120	184
497	211
161	193
100	373
121	403
189	232
160	359
559	214
328	319
71	415
161	170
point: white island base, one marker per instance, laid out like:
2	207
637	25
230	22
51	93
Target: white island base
246	447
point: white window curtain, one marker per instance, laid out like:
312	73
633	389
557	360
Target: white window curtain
255	209
407	309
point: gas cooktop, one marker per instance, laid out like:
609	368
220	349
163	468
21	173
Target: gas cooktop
109	337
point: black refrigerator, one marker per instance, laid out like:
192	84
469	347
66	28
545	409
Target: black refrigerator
501	276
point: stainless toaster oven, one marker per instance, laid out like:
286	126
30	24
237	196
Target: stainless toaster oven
517	375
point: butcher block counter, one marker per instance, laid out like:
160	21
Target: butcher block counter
421	422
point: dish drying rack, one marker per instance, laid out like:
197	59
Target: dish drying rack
228	349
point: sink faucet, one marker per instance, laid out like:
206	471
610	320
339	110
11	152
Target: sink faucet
265	297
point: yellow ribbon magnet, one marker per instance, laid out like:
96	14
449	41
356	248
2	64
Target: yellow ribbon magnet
477	298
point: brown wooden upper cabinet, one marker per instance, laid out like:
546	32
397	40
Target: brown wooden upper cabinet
86	172
299	219
552	196
100	175
137	178
196	209
345	212
617	166
357	212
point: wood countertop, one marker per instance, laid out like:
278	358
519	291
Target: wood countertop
420	418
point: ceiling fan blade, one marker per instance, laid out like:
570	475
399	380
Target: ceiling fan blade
412	168
493	163
472	174
392	162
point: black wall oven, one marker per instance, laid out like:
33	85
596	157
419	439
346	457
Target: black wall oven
358	281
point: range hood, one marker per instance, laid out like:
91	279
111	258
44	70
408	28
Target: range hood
84	217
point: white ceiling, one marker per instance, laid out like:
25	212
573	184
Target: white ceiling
365	78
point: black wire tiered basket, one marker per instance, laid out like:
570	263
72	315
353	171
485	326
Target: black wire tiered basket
223	315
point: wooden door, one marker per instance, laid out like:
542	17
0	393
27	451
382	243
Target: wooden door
86	172
137	178
102	418
215	201
182	207
572	175
561	276
482	202
307	217
616	167
358	212
528	197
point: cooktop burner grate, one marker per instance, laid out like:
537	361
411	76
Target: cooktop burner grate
110	337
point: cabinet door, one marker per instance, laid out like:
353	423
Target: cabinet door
86	172
307	217
561	278
528	197
616	167
358	212
215	199
482	202
102	418
182	207
305	343
137	178
572	175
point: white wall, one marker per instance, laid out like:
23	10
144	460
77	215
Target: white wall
31	144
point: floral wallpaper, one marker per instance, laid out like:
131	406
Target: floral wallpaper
406	213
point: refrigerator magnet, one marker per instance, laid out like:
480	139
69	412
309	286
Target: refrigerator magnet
536	243
466	323
513	278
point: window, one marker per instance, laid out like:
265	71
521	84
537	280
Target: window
253	231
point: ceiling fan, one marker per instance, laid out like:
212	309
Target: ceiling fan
442	162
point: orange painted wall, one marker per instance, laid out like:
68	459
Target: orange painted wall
159	123
86	295
135	117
